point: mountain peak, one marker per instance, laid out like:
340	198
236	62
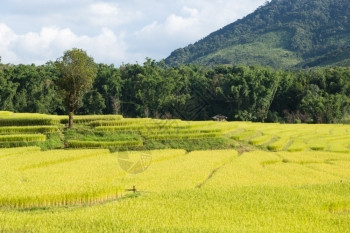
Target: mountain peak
281	34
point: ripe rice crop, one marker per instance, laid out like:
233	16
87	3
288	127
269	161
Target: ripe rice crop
181	136
27	115
339	147
23	138
211	191
103	144
33	158
157	155
17	151
120	122
118	128
260	140
279	144
297	145
5	113
28	121
280	169
172	131
86	119
29	129
65	178
317	144
304	157
225	127
244	135
182	172
175	190
138	161
339	169
132	127
288	137
68	177
59	157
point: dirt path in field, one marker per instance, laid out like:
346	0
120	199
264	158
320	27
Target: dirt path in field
213	173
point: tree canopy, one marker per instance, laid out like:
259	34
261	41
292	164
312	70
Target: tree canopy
188	92
77	72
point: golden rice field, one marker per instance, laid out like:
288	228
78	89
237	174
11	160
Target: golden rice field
178	191
23	129
276	178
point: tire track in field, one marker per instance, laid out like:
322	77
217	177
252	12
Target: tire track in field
212	173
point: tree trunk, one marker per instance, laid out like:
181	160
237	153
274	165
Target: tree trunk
115	105
70	121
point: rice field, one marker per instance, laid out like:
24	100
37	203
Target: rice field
23	129
277	178
177	191
294	138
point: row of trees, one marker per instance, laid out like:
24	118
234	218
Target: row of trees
188	92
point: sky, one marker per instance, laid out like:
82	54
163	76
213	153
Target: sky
112	32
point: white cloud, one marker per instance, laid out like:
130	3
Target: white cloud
104	9
51	42
181	24
103	14
181	28
112	31
192	21
7	36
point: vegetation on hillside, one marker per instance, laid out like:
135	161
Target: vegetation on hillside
281	34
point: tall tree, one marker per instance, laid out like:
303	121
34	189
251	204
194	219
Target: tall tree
8	89
77	74
109	84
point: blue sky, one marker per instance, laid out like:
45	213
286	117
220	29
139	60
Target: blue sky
112	32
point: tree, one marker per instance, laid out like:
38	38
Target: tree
109	84
77	74
8	90
93	103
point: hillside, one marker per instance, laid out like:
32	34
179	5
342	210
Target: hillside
281	34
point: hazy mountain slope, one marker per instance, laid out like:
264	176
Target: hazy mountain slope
282	34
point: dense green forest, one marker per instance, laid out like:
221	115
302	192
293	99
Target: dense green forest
204	79
189	92
280	34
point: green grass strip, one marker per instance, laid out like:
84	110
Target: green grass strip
102	144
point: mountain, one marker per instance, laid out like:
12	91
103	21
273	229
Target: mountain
281	34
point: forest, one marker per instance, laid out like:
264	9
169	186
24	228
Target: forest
188	92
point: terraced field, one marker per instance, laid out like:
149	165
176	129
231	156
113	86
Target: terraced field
118	133
300	137
270	177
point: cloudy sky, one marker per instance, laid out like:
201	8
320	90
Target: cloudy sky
112	32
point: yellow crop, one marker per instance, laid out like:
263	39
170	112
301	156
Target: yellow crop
54	178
